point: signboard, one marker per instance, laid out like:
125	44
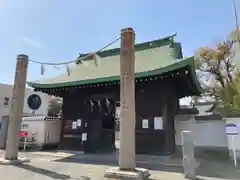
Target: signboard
145	123
23	133
158	123
79	122
84	136
232	129
74	125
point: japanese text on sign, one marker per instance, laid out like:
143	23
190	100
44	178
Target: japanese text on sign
23	133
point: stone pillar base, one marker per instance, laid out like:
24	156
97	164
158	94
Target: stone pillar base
14	162
237	154
136	174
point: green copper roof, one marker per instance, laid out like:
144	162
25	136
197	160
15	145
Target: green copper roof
169	40
150	60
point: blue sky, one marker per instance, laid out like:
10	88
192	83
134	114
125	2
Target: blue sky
57	30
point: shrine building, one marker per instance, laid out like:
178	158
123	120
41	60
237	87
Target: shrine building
91	91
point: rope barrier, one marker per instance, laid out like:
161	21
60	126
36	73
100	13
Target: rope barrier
79	59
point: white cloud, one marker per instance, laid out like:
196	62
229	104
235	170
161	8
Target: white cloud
32	42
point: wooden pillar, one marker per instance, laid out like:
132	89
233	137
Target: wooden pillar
63	120
177	106
168	114
127	100
16	110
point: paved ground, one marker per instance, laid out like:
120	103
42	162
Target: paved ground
46	166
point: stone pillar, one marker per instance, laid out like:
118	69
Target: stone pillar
16	110
127	100
189	164
127	163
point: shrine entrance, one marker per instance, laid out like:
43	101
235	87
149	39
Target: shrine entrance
91	90
100	124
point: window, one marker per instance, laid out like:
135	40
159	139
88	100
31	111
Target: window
4	118
24	126
6	101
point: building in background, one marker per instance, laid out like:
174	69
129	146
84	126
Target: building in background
35	103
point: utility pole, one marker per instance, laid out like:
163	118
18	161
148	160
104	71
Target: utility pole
236	21
16	110
236	38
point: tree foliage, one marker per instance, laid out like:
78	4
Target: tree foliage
215	67
229	97
218	75
54	108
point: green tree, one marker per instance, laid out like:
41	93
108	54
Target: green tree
215	67
229	97
54	108
219	65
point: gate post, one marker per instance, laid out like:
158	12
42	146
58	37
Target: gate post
127	162
127	100
188	155
16	110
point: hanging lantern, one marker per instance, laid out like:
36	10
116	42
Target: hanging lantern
42	69
96	59
68	69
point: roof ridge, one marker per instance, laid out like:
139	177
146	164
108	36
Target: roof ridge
138	47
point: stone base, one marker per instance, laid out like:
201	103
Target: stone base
237	154
13	162
136	174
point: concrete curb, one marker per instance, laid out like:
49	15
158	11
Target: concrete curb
86	157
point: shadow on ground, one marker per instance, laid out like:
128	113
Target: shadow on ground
111	160
207	168
48	173
44	172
